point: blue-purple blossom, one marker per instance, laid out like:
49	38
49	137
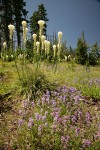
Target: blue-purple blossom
64	98
54	127
65	138
43	118
20	112
43	100
77	98
47	92
33	104
30	123
20	122
77	131
25	103
74	119
88	117
86	143
38	116
72	90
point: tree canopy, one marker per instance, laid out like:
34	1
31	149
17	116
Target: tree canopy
12	12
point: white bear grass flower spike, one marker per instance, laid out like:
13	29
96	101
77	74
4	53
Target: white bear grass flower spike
38	46
54	49
11	30
25	30
34	38
60	34
42	40
4	45
24	24
41	24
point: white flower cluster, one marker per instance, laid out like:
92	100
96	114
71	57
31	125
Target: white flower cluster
25	30
11	30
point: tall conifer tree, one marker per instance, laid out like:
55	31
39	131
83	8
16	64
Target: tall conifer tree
40	14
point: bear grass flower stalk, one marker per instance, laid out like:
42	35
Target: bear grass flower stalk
24	24
37	54
59	51
42	40
41	37
54	51
4	45
25	30
3	53
60	34
54	56
34	39
11	52
65	58
38	47
34	36
41	24
4	49
47	48
11	30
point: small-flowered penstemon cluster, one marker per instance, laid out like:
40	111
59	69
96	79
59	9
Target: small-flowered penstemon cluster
61	116
94	82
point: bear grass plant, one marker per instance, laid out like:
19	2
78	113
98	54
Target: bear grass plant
34	82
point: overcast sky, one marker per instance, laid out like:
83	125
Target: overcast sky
71	17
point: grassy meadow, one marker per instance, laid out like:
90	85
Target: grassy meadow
49	107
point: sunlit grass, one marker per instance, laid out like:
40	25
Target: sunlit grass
67	74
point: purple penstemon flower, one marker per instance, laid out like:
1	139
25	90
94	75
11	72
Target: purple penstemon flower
33	104
97	136
88	117
48	100
20	122
43	100
30	123
54	127
20	112
74	119
47	92
43	118
53	102
25	104
60	119
64	98
65	138
55	118
77	98
72	90
86	143
38	116
77	131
